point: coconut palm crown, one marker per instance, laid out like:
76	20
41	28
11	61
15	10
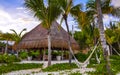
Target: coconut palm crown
47	12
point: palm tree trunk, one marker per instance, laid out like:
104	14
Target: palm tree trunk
6	47
102	38
69	42
49	48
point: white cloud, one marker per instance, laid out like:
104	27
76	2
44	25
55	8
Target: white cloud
4	16
106	18
20	8
116	3
16	21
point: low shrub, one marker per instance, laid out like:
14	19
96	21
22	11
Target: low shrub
1	59
58	67
23	55
15	67
100	70
81	57
5	58
35	53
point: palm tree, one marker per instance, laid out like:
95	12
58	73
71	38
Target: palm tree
102	37
7	37
11	37
17	37
46	12
68	8
104	7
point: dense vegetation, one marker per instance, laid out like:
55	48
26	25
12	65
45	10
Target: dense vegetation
5	58
115	63
115	66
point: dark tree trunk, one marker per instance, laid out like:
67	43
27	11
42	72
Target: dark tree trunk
102	37
69	42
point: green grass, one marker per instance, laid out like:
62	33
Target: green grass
59	67
100	68
115	63
15	67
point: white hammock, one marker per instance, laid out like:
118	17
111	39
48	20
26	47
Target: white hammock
87	60
98	60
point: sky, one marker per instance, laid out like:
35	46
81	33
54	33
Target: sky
13	15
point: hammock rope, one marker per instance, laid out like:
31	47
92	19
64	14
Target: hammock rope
87	60
98	60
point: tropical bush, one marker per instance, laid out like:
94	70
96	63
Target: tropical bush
57	53
23	54
58	67
35	53
14	67
5	58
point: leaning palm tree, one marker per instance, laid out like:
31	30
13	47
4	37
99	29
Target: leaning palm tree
46	12
104	7
68	8
102	37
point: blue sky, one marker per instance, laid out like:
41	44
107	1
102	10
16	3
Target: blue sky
13	15
11	5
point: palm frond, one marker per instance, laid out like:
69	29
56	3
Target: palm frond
20	34
37	7
46	14
76	10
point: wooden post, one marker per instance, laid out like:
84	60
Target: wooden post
44	54
62	53
40	54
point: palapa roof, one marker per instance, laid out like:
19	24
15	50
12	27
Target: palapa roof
37	38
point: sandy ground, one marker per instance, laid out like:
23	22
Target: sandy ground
39	72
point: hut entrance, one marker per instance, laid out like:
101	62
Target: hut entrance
42	54
57	55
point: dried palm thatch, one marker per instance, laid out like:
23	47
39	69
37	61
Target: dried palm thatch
37	38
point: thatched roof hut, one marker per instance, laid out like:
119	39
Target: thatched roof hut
37	39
